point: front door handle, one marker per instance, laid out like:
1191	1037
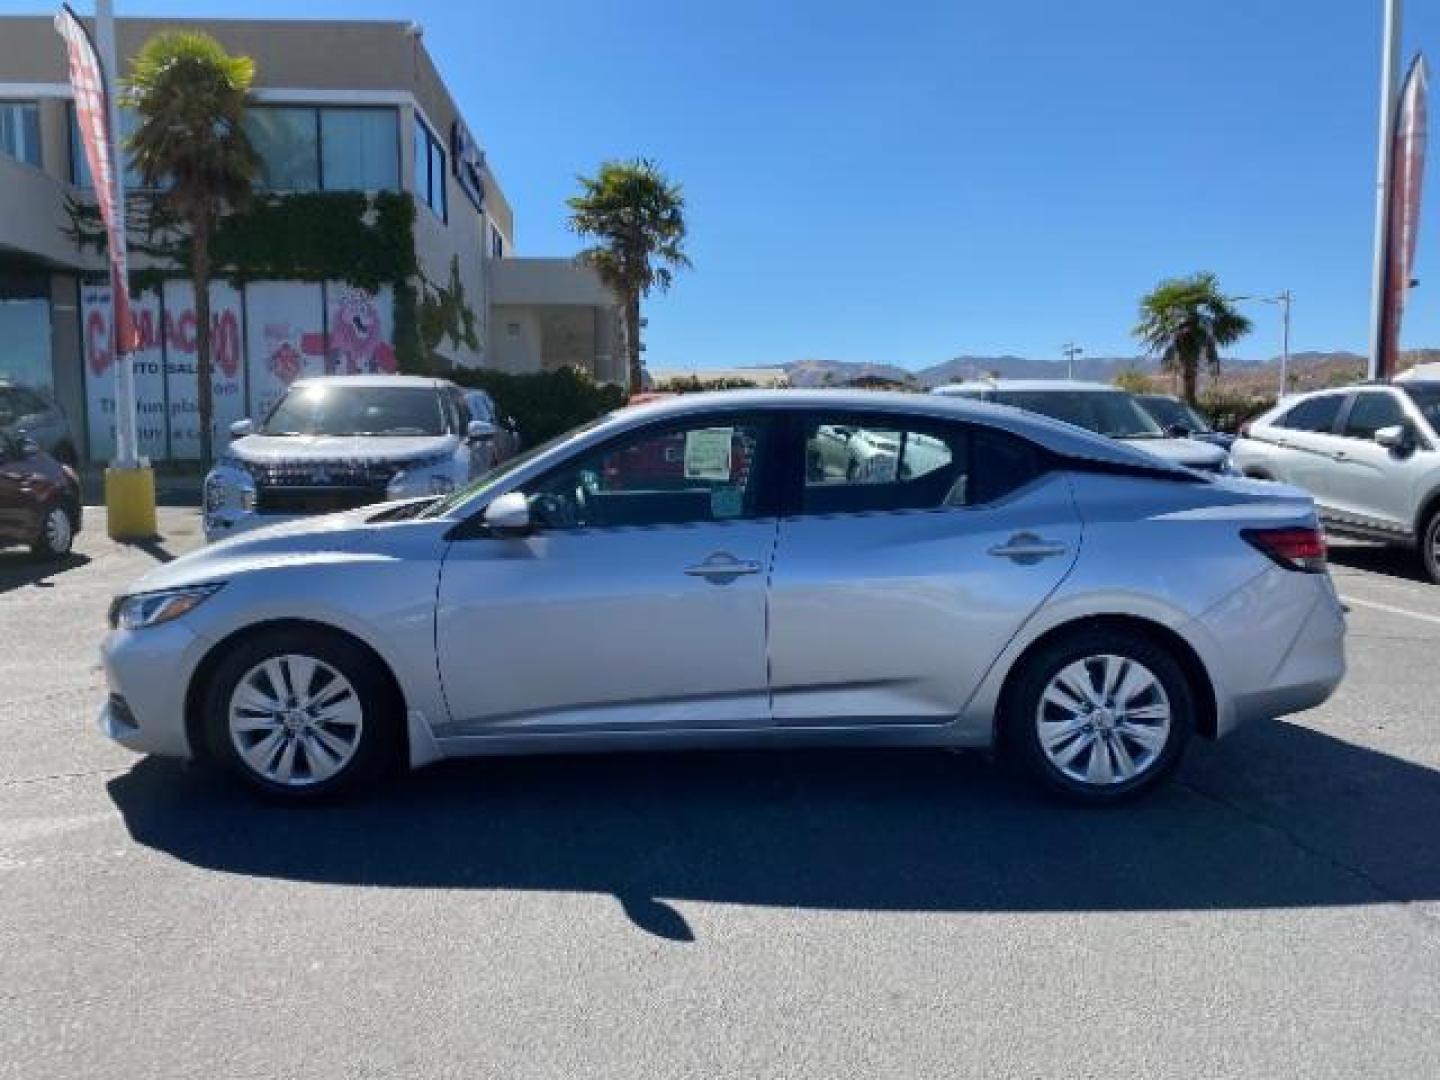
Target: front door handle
1340	455
723	567
1028	548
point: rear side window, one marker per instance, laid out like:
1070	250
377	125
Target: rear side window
1372	411
1313	414
878	464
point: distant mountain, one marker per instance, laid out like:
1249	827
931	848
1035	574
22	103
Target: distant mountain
1307	369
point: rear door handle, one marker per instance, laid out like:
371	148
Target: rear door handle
1340	455
722	567
1027	547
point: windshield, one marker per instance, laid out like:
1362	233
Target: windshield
497	475
1172	413
1105	412
1426	397
318	409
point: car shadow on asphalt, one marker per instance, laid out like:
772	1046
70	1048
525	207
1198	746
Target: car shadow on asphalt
19	569
1277	816
1387	560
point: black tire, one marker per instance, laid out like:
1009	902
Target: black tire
55	543
1430	547
380	745
1022	714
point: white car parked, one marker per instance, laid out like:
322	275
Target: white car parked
1370	455
342	441
676	575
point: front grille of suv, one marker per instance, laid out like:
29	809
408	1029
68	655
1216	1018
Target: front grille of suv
319	487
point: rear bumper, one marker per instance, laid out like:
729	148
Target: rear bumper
1280	646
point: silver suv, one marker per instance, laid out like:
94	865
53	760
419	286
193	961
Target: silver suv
1369	455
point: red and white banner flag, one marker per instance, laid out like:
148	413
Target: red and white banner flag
1402	216
92	116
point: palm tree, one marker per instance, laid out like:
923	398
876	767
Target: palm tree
1186	322
638	217
191	147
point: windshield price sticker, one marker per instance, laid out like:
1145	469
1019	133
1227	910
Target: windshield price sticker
707	453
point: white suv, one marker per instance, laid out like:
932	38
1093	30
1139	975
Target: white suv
1369	455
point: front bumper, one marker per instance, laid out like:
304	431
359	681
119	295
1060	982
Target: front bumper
148	672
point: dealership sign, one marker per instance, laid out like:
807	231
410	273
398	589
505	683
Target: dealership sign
469	162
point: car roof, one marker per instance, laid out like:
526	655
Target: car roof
1054	435
373	380
1041	385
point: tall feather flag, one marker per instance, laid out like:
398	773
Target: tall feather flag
1402	215
92	117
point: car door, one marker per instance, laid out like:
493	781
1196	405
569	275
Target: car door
1371	483
895	589
637	604
18	521
1305	443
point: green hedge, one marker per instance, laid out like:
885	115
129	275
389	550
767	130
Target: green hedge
545	404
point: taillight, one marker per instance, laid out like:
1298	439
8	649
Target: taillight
1300	549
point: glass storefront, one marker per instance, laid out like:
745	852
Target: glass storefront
25	331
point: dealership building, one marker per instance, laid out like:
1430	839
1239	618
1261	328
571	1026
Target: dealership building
343	107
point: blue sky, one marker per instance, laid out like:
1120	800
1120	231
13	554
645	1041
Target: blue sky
909	181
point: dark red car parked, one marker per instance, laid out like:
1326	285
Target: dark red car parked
39	499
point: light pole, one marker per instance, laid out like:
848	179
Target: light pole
1283	302
1070	351
1389	79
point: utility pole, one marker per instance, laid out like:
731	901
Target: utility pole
1284	300
1070	351
1389	77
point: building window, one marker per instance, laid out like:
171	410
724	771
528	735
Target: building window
287	141
497	243
80	167
429	169
20	131
334	149
359	150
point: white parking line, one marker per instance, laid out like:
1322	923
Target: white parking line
1392	610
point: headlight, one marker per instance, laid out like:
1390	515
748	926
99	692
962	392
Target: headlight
229	484
417	478
154	608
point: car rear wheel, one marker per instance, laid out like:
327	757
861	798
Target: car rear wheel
57	533
1102	716
300	714
1430	547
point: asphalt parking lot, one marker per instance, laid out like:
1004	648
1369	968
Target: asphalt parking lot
1276	912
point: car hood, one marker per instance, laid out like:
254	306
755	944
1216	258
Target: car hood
351	536
1188	452
287	449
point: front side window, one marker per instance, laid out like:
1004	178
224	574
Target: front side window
359	150
879	464
20	131
1313	414
317	409
1372	411
1105	412
706	471
1426	397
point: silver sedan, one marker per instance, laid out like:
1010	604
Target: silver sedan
679	575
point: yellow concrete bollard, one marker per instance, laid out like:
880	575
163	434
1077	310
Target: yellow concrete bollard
130	503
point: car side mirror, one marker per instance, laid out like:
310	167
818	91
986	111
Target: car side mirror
1177	431
508	515
480	430
1395	437
240	428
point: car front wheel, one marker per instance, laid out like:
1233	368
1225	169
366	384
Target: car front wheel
1102	716
1430	548
57	533
300	714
